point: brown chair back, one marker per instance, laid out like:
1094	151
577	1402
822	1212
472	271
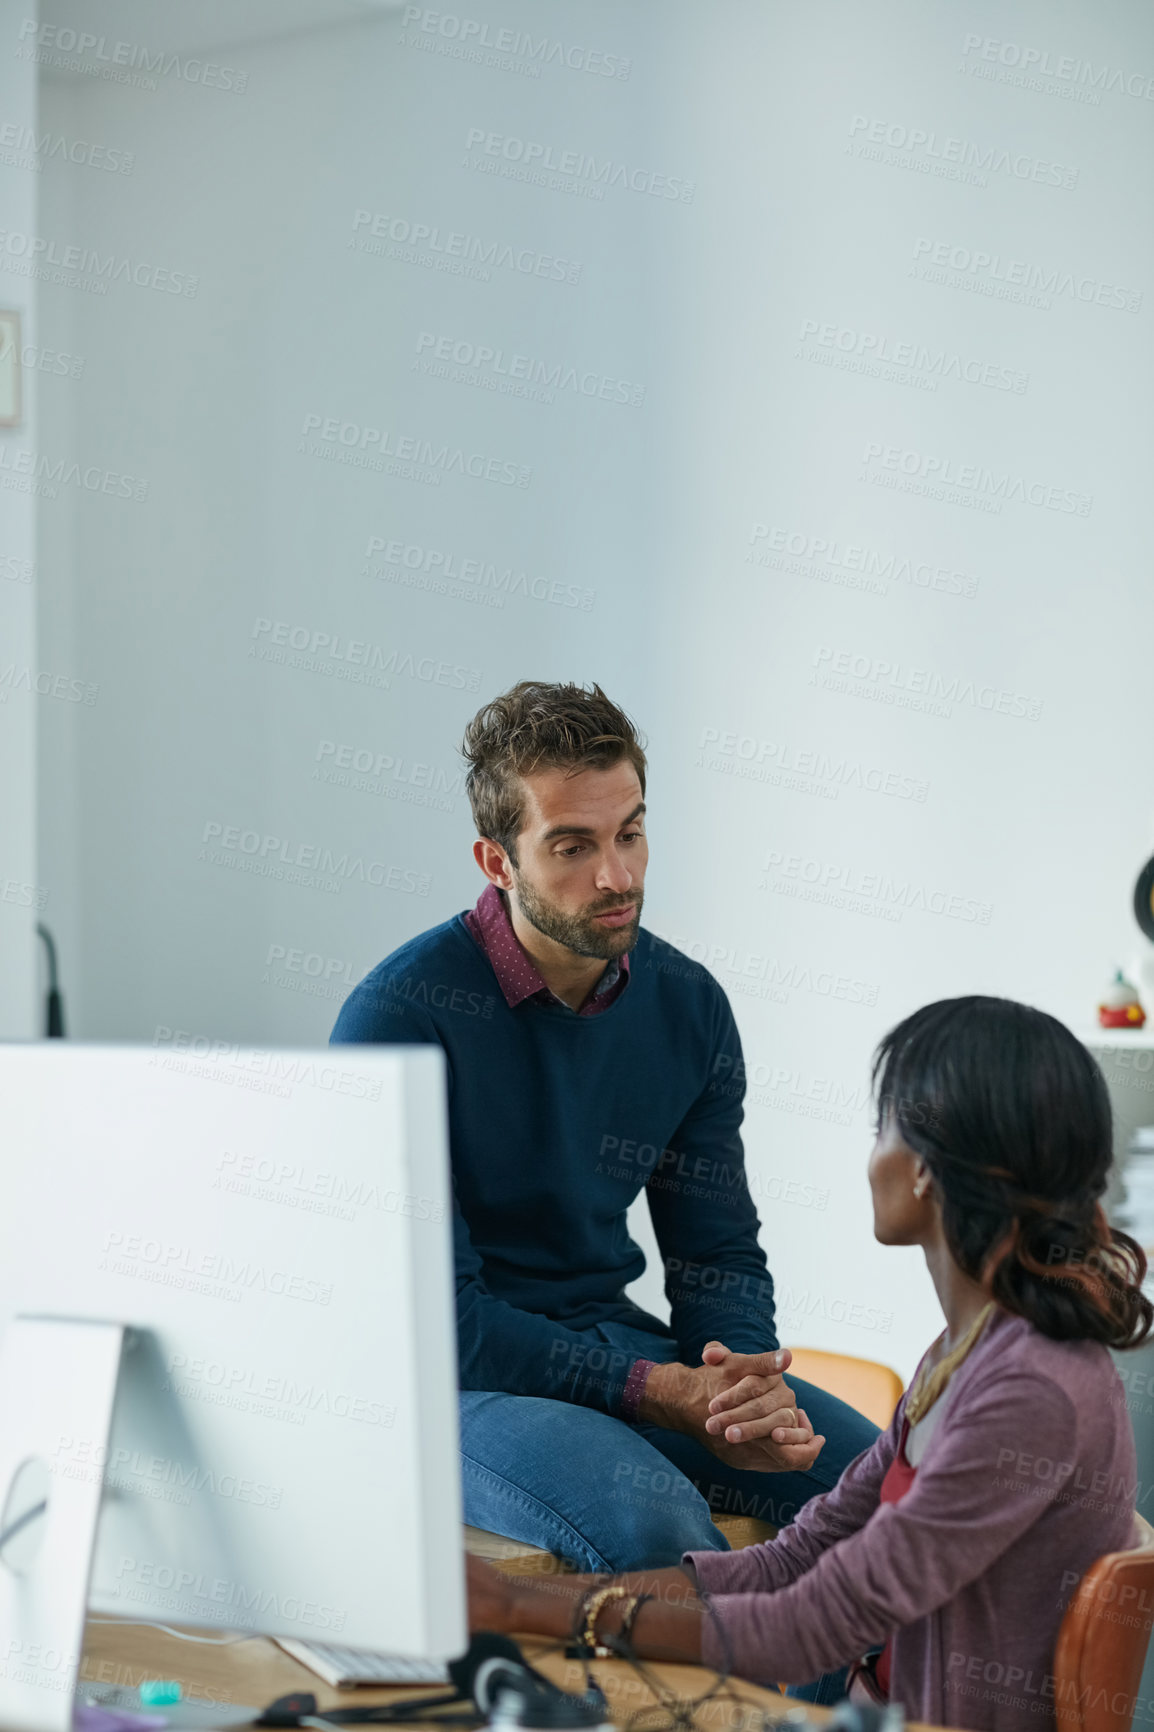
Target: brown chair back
1101	1646
873	1389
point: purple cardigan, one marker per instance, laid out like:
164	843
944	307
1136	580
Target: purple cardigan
1029	1477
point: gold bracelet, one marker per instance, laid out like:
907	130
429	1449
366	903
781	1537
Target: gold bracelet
593	1606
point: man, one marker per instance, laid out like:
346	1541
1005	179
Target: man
588	1060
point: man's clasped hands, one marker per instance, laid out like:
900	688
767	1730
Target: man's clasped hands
738	1405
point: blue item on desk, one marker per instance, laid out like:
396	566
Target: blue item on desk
159	1692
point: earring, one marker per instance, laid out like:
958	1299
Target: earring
919	1190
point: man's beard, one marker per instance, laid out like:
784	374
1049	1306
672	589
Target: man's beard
579	932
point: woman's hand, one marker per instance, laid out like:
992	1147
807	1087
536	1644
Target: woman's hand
490	1596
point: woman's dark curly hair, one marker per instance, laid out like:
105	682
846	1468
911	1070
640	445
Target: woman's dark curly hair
1011	1116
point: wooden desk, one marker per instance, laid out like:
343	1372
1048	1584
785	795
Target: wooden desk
256	1671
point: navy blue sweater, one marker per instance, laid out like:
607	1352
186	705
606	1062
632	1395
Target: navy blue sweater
556	1123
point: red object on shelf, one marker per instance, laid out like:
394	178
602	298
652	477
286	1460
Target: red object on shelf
1130	1016
1120	1005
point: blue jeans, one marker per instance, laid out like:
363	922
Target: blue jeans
612	1496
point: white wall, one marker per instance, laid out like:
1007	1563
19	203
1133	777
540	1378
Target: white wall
989	847
799	244
23	896
204	397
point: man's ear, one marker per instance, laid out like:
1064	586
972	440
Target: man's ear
493	861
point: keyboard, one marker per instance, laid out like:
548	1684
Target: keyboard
345	1668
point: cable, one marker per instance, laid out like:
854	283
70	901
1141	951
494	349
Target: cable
181	1635
54	1003
680	1714
21	1522
668	1713
38	1509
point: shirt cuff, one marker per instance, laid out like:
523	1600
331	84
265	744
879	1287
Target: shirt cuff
635	1389
711	1568
715	1648
716	1653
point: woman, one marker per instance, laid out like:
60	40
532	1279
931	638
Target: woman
953	1544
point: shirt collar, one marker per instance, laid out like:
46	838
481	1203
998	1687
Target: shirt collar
517	974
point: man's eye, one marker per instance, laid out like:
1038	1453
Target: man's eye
574	849
632	835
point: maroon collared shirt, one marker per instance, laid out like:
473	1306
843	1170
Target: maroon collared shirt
517	974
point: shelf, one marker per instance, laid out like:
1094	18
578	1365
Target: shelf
1122	1039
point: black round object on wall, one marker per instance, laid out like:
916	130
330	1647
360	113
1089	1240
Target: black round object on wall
1144	899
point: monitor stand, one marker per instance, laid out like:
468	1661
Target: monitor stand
58	1380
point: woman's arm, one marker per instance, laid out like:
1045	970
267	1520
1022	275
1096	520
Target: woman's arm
820	1524
668	1626
956	1521
958	1518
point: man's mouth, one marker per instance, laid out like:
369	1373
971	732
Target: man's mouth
617	916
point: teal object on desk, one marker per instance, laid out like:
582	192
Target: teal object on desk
159	1692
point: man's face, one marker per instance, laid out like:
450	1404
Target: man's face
581	858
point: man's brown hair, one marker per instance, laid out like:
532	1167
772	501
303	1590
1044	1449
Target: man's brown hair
535	726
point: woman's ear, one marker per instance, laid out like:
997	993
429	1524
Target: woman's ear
921	1181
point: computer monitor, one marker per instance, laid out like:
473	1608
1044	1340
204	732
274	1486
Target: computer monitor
274	1229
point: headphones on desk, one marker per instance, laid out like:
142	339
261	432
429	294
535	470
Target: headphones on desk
492	1674
506	1691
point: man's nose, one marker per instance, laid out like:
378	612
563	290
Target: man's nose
615	874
